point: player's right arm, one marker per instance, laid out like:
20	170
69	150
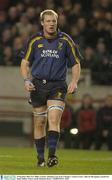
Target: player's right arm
25	71
27	54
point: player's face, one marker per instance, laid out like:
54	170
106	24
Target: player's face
49	24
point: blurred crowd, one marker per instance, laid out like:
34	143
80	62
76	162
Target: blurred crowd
89	23
92	125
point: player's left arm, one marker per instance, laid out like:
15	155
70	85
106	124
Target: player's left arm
74	57
74	78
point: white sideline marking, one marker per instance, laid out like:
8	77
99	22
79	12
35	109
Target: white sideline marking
76	159
6	156
91	159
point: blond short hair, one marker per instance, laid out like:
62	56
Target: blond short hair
47	12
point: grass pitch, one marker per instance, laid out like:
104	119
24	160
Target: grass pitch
71	162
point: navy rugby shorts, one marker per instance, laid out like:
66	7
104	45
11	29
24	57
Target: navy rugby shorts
47	90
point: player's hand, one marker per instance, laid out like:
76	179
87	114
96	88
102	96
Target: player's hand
72	87
29	86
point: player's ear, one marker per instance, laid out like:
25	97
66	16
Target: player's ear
42	23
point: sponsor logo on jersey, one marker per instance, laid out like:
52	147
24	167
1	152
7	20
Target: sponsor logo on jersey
50	53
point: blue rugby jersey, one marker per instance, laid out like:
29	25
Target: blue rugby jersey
48	57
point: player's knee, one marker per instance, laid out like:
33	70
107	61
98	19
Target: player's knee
54	123
53	115
39	120
53	120
40	123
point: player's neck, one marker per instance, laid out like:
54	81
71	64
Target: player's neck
50	36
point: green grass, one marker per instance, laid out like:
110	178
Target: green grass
71	162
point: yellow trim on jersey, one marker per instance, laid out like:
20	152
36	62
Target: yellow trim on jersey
72	47
30	47
40	45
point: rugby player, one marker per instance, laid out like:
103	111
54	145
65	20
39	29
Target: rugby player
44	69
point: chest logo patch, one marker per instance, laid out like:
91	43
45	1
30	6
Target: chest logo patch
60	44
